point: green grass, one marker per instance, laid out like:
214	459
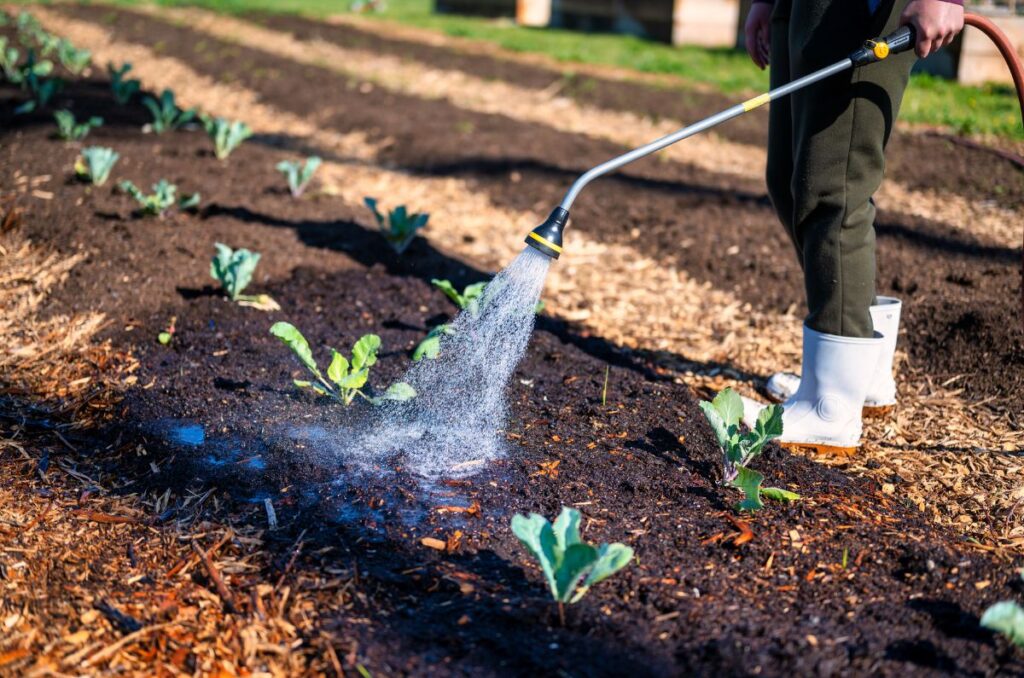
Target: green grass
974	110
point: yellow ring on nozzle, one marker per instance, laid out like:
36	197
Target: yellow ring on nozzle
881	50
544	241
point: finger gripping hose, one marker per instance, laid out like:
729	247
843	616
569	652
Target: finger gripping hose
1017	71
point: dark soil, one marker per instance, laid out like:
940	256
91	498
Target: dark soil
846	581
962	293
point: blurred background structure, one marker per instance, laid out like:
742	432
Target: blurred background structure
972	59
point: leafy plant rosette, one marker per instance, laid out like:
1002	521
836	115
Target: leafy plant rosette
298	175
1006	617
162	200
95	164
345	377
399	226
740	448
70	129
234	269
227	135
570	565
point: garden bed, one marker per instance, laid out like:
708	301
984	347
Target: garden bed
848	580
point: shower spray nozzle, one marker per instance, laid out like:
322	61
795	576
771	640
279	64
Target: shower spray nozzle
547	238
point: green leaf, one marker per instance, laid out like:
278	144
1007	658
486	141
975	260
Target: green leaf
717	424
610	559
729	406
576	561
750	482
535	533
1007	618
449	291
779	494
364	352
399	392
338	369
567	528
294	340
357	379
769	422
317	388
164	338
429	348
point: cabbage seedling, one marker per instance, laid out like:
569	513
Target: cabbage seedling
345	378
469	298
570	565
166	114
226	135
739	449
123	89
69	129
234	270
95	163
299	174
399	226
162	200
74	59
1006	617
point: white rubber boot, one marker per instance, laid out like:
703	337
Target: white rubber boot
825	412
881	396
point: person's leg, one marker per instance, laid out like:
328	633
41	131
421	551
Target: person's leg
840	129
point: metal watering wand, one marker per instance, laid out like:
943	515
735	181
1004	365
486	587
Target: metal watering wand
547	238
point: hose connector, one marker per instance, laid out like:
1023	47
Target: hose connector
547	238
880	49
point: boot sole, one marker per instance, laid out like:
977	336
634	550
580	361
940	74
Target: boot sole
817	448
877	411
868	411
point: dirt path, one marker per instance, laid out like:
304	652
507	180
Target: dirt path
710	152
595	287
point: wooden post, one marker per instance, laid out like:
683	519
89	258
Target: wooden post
533	12
709	23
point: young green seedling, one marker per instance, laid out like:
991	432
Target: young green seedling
739	449
469	298
227	135
298	175
345	378
95	163
69	129
162	200
122	88
1006	617
399	226
32	77
570	565
73	59
166	114
234	270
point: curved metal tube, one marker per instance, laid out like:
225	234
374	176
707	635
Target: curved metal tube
698	127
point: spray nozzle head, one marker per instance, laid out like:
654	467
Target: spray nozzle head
547	238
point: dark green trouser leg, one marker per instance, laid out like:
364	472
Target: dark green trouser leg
826	151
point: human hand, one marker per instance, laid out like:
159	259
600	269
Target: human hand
758	31
937	22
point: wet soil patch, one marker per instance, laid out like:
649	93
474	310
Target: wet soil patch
716	228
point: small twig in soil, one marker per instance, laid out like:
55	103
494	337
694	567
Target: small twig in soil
192	559
110	650
218	581
291	561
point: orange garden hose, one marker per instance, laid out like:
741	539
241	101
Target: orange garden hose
1017	71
